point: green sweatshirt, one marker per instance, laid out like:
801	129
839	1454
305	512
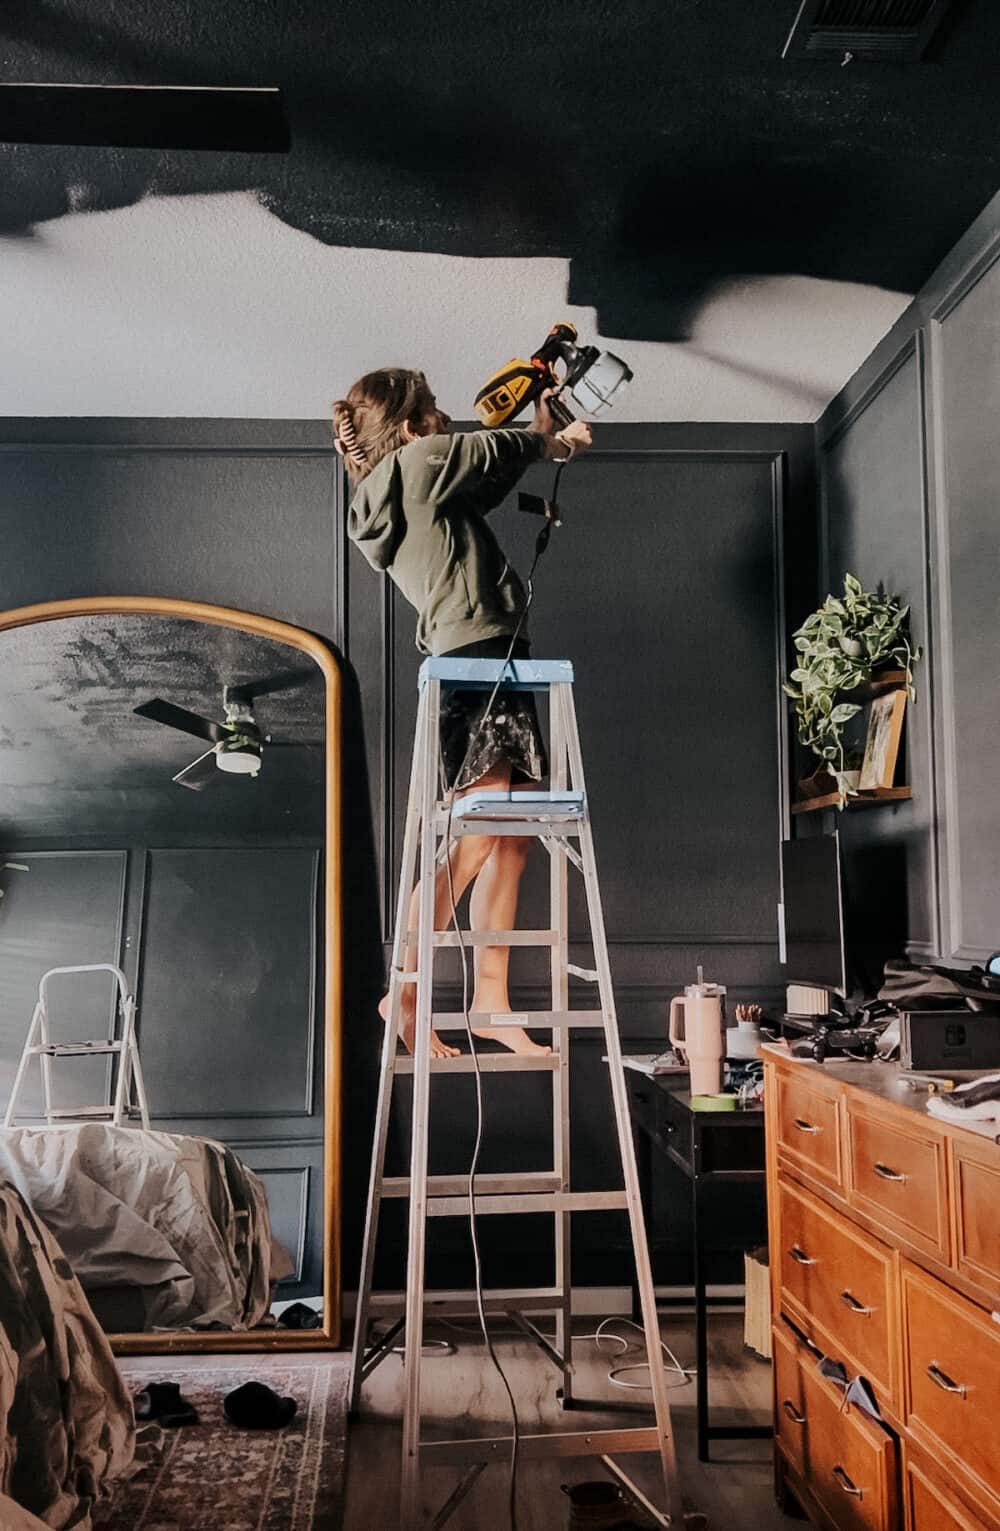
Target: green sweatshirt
419	517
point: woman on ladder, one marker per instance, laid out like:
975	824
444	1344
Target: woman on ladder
422	494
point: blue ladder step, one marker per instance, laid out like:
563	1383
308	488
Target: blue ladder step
482	674
559	805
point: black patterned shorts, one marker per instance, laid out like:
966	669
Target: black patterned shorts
511	732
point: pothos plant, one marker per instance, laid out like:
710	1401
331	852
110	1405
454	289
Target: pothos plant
838	648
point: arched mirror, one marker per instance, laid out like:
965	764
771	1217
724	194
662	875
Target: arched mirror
170	964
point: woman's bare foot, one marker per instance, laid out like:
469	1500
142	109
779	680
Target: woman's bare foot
408	1028
514	1037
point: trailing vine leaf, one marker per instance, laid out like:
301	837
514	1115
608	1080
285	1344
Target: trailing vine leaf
838	648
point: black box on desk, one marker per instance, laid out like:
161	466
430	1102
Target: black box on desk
949	1039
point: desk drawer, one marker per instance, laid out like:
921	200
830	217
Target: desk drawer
837	1284
809	1128
789	1409
930	1507
851	1462
952	1383
898	1176
976	1179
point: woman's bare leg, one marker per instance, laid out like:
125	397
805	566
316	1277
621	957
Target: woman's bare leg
468	855
493	906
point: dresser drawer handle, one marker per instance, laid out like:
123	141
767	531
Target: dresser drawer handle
850	1301
885	1173
793	1413
800	1257
805	1126
845	1482
944	1382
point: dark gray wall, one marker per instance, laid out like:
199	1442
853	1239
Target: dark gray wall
668	584
910	489
665	586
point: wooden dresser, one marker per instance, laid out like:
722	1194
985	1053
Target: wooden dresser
885	1256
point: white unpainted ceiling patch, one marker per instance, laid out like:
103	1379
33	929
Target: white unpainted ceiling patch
212	307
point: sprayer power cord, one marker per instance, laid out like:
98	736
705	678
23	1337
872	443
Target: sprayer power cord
540	546
541	543
682	1373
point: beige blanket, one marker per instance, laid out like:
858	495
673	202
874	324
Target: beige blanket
66	1423
181	1218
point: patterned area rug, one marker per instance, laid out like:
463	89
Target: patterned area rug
215	1477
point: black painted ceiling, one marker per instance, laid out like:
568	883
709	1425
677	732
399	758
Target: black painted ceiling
76	764
660	144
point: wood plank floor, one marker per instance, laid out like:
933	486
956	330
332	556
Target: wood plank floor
463	1396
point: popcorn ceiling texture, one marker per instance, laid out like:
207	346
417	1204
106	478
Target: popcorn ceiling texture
211	306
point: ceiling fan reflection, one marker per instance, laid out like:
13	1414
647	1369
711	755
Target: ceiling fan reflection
237	744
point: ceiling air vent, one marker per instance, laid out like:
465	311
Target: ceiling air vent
893	31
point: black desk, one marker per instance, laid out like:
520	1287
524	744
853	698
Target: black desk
710	1148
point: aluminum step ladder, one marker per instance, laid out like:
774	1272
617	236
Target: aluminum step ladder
38	1044
560	819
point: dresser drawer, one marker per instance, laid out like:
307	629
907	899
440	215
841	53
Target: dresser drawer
809	1128
929	1507
897	1174
976	1181
952	1380
838	1284
850	1461
789	1408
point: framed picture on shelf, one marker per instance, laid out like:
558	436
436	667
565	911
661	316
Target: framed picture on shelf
885	727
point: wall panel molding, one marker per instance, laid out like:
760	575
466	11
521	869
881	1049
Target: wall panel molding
388	786
310	999
298	1177
956	784
830	431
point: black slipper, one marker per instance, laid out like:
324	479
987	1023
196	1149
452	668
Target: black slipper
162	1402
257	1407
300	1316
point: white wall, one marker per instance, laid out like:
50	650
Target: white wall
211	306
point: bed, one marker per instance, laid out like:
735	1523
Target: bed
163	1231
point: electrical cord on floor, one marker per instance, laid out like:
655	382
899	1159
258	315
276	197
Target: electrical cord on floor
683	1373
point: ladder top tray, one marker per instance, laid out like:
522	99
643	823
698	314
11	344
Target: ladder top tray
482	674
546	807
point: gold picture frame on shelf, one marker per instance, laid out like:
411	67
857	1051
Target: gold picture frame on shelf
885	728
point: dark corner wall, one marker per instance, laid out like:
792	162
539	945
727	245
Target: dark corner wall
909	475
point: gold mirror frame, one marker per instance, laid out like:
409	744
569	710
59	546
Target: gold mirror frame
328	1336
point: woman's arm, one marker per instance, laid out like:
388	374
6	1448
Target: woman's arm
484	466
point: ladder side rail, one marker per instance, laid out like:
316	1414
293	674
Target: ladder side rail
410	1510
140	1083
22	1067
407	873
126	1056
644	1273
116	1100
45	1061
561	1038
86	967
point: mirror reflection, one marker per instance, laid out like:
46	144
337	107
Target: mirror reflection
161	993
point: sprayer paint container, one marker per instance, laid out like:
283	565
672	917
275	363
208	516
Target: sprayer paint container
698	1033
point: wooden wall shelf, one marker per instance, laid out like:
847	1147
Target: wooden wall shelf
861	800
